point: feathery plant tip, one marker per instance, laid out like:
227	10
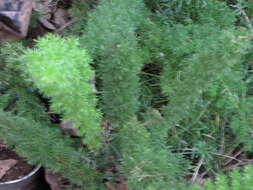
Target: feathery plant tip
62	71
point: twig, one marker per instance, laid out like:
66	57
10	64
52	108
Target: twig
231	157
222	143
235	156
195	175
237	165
110	186
247	19
201	178
64	26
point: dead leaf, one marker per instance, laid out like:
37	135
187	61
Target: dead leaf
45	22
2	144
6	165
61	17
55	180
67	128
120	186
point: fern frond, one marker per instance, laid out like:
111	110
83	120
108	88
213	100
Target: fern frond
62	71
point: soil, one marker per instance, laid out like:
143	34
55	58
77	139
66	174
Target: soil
19	170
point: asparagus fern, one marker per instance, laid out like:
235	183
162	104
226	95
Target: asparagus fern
62	71
112	42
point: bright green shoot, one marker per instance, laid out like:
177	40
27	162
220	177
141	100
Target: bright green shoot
62	71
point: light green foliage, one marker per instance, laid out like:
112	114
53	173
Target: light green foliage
16	94
234	181
110	38
42	144
61	70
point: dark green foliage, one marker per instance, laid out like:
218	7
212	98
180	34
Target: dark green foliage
61	70
113	43
34	18
41	144
235	181
205	86
201	11
206	80
197	64
146	161
16	94
79	11
243	9
241	121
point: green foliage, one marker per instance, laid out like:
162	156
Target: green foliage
235	181
79	11
211	50
202	55
61	70
207	82
242	5
113	44
190	61
16	94
34	18
146	161
242	119
200	11
41	144
206	89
